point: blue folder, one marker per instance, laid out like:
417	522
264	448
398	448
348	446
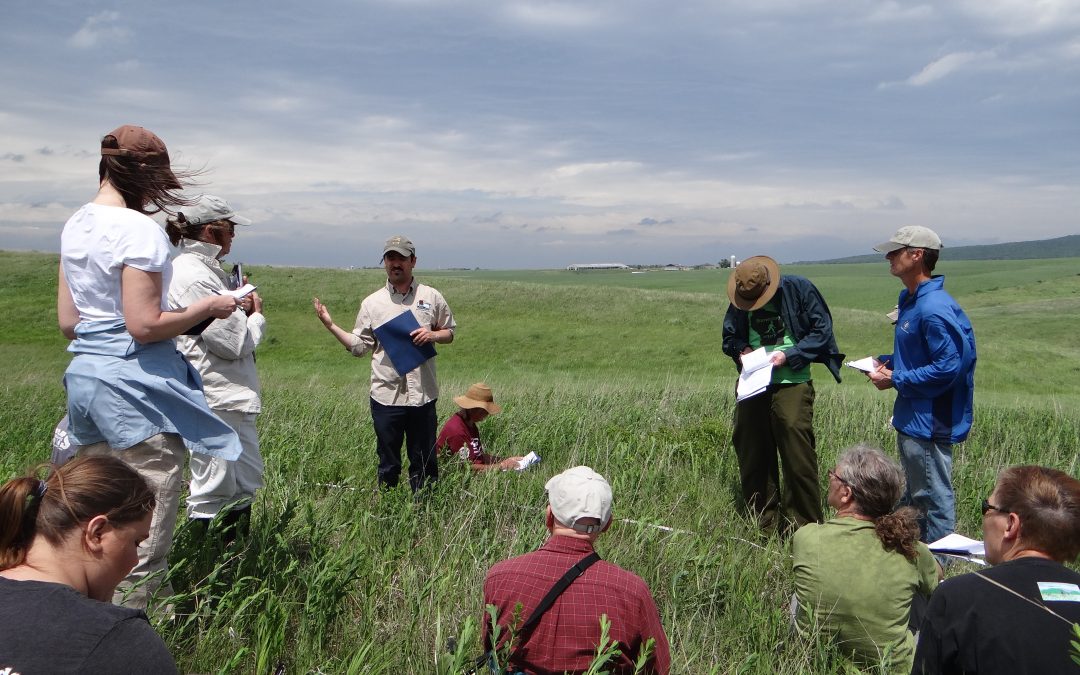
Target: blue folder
394	338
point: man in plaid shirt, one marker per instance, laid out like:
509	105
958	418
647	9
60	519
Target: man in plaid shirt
566	638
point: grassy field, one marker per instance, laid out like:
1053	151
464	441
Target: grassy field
616	370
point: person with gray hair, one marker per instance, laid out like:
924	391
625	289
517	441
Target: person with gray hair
857	574
1016	617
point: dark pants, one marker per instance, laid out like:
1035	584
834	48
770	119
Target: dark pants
779	421
416	426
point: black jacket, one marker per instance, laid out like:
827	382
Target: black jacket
807	318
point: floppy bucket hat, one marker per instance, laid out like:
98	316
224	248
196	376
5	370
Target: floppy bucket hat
914	236
753	283
580	493
209	208
479	396
399	244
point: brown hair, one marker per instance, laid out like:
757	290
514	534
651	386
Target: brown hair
66	500
930	258
1048	504
143	183
177	227
877	483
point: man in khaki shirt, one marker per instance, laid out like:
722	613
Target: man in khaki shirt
402	406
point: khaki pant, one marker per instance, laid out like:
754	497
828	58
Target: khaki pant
160	460
218	483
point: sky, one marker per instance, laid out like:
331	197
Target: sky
536	134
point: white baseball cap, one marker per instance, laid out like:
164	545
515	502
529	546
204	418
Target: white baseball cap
580	493
209	208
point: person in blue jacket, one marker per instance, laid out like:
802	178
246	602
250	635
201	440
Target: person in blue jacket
788	317
932	368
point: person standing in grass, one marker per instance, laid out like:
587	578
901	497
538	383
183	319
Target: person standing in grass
402	405
129	392
224	354
789	318
932	368
857	573
1017	617
566	636
461	436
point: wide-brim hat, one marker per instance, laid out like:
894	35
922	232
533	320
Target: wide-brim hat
478	396
753	283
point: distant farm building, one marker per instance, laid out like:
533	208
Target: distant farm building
578	267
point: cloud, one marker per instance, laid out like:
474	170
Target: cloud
12	157
104	26
941	68
553	15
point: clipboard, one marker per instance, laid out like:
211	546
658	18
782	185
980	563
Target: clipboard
396	341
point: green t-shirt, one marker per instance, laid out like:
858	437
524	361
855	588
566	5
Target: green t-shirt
850	587
767	330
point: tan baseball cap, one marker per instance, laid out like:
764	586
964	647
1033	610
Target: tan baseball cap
915	236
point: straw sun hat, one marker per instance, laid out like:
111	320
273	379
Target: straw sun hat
478	396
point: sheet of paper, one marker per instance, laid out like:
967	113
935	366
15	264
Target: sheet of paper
959	546
238	292
756	374
866	365
527	461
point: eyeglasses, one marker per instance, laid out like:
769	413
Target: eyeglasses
987	507
841	479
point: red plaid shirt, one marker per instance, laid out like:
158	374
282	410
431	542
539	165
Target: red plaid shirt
566	637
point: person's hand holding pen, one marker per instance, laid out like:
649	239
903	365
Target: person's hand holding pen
881	376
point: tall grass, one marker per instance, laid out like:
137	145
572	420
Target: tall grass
338	577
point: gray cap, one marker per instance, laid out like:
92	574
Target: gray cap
580	493
915	236
209	208
399	244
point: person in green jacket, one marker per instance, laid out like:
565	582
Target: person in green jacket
857	573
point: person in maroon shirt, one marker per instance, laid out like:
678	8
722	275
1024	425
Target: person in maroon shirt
566	638
460	435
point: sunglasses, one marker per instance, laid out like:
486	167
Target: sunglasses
987	507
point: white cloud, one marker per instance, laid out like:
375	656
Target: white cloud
104	26
941	68
554	14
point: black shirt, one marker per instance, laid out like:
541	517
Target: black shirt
52	628
974	626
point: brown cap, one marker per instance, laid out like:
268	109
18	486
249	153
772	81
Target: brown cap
137	143
478	396
753	283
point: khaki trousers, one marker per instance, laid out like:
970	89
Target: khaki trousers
160	460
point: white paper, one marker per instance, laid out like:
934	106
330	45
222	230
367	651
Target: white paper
238	292
959	546
866	365
756	374
527	461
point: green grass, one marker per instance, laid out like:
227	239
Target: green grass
623	372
